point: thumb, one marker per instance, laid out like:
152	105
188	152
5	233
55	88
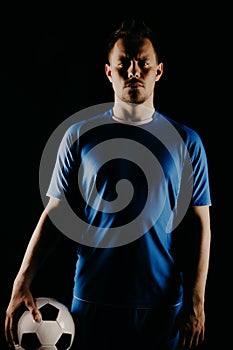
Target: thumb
34	310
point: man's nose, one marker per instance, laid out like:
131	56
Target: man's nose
134	70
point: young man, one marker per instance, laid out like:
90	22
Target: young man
138	181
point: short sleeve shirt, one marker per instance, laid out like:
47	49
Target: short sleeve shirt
130	186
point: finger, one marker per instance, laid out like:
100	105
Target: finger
7	333
33	310
10	333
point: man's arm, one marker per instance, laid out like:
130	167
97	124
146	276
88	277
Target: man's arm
40	245
195	269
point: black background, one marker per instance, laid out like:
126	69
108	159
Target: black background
53	66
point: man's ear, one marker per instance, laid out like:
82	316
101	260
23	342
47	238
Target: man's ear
108	72
159	71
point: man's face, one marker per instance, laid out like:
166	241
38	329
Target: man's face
133	71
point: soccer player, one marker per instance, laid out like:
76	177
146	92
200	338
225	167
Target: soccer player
132	186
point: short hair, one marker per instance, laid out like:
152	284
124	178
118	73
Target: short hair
133	31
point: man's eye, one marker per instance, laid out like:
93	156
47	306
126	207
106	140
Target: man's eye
144	64
123	64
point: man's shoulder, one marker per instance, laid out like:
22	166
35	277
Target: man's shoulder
185	131
85	122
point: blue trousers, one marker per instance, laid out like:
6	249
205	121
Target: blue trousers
111	328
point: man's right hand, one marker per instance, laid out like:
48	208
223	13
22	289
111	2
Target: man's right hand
21	298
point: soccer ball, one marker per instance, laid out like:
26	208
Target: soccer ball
55	331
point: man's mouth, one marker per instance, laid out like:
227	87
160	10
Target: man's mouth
134	85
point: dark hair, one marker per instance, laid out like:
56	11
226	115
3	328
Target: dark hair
133	31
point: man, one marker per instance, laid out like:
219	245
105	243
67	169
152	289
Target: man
138	182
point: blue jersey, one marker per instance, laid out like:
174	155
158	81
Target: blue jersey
130	186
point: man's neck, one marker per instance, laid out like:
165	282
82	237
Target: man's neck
128	112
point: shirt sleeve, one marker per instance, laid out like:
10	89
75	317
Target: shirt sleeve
65	162
201	186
